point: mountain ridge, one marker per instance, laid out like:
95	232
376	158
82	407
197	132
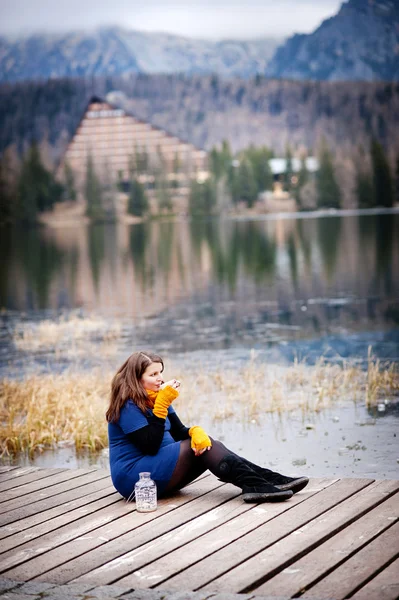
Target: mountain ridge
361	42
118	51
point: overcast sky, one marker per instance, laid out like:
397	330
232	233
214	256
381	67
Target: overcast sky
210	19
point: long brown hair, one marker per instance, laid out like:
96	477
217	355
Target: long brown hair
127	384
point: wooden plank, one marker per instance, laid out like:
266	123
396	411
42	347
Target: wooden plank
50	551
358	569
73	488
313	566
202	512
52	485
33	475
14	472
236	530
239	521
286	517
12	541
35	549
50	478
68	564
92	492
385	586
302	539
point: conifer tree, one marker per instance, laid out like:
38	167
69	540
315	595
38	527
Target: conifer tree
138	162
227	155
303	178
93	192
69	183
289	170
396	185
176	171
7	193
138	201
215	163
133	162
233	181
382	179
259	159
220	160
328	192
247	190
364	190
163	191
195	198
209	194
37	188
144	161
303	175
108	191
202	199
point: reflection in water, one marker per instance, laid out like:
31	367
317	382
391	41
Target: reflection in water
96	243
234	278
258	252
165	247
384	248
305	242
220	245
139	240
328	231
6	267
232	245
291	247
30	262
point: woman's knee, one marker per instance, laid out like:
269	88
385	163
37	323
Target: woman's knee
186	452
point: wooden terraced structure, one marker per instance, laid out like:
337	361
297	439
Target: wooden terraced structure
338	538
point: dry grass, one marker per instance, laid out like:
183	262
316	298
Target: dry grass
41	412
382	381
260	388
70	335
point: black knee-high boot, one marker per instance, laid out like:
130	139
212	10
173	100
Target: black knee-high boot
281	482
232	469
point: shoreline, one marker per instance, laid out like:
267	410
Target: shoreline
332	212
60	219
344	440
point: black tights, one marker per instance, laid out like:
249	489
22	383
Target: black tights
189	466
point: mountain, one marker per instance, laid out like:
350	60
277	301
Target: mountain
117	51
361	42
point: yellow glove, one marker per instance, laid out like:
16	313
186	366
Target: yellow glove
164	399
199	439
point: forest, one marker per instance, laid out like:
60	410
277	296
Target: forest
351	127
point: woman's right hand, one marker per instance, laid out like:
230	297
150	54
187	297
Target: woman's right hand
165	397
174	383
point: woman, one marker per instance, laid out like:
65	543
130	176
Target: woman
145	434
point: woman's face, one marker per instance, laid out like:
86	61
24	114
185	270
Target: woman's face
152	377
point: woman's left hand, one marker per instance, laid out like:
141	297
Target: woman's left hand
199	452
200	440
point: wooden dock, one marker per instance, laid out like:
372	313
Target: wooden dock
336	539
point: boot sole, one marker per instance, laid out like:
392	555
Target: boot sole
267	497
294	486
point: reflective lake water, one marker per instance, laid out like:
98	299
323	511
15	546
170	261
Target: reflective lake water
317	283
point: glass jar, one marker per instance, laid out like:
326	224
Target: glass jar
145	492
